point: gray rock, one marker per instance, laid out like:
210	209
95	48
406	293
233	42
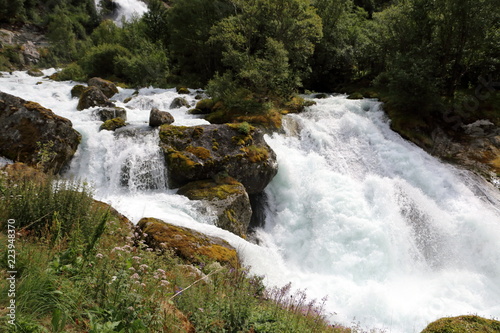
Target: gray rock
6	37
30	53
179	102
35	72
158	118
227	198
201	152
93	96
108	88
108	113
34	135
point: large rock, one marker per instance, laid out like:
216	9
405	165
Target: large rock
34	135
93	96
30	53
77	90
179	102
108	88
6	37
227	198
158	118
187	243
110	113
201	152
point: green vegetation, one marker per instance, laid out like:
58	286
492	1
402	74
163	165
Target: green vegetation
463	324
82	268
425	59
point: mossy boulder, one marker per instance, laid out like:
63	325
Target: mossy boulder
355	95
93	96
188	244
204	106
77	90
34	135
108	88
35	72
182	90
227	197
179	102
112	124
463	324
104	114
201	152
158	118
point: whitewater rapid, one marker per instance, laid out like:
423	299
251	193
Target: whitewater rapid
392	236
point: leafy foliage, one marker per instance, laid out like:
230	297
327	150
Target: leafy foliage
267	44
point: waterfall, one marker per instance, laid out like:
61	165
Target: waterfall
126	9
391	235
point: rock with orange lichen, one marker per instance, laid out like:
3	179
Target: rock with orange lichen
34	135
201	152
188	244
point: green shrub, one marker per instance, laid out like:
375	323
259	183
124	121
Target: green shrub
144	69
100	60
72	72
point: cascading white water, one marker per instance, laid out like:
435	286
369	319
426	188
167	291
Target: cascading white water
394	238
392	235
127	9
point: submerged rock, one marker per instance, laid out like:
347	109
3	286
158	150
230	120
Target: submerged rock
201	152
34	135
158	118
227	197
187	243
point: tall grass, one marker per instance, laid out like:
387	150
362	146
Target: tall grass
83	269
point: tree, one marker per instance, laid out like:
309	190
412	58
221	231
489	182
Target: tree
267	43
337	56
156	21
195	59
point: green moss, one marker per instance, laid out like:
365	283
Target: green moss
182	90
197	132
210	190
255	154
77	90
170	131
215	144
199	152
205	105
356	95
179	160
463	324
112	124
187	243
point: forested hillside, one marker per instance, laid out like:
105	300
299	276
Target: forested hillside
431	62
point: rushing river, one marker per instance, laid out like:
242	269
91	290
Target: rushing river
392	236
